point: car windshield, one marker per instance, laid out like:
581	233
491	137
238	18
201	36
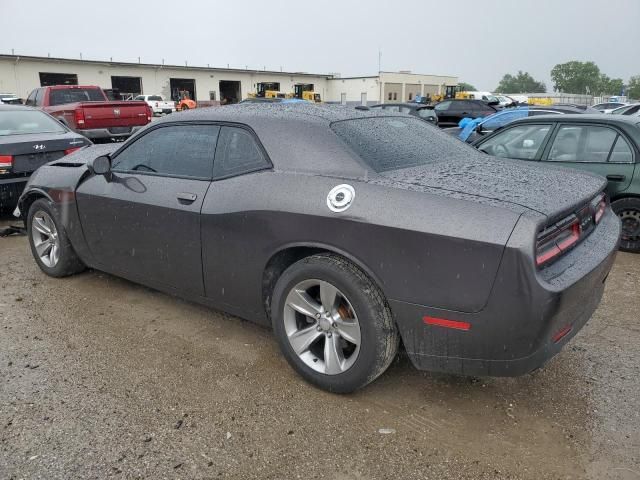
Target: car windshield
393	143
72	95
17	122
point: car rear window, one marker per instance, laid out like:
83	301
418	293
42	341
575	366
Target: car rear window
72	95
16	122
393	143
155	98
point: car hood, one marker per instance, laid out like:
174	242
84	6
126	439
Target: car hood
515	184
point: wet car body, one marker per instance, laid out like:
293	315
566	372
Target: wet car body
450	240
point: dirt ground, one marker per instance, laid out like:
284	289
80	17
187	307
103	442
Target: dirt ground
102	378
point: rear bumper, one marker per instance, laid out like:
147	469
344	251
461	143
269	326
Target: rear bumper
104	133
529	316
159	110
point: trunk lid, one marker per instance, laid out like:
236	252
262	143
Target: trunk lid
549	190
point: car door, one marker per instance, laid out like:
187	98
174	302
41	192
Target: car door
143	220
229	231
446	116
596	148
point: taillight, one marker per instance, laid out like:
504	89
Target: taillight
149	113
560	237
71	150
556	239
599	205
78	116
6	161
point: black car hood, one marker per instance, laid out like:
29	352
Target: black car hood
515	183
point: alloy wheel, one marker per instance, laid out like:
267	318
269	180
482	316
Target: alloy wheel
630	224
45	238
322	327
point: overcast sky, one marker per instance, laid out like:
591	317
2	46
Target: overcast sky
478	41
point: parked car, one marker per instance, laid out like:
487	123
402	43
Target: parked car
86	110
606	145
608	107
157	104
423	112
450	112
10	99
631	109
483	127
385	228
29	138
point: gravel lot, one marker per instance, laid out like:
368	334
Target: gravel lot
102	378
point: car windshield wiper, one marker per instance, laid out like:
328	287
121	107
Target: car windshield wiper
142	166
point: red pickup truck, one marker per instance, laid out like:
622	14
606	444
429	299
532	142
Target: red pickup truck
86	110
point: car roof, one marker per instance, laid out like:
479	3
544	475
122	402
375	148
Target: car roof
402	104
582	118
287	129
4	107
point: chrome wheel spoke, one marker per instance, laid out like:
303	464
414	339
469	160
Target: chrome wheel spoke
44	248
349	330
328	296
303	339
54	255
301	302
333	356
40	225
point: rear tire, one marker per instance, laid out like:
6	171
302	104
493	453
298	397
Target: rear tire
628	209
346	349
49	243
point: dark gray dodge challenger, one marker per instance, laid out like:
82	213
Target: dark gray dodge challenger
347	231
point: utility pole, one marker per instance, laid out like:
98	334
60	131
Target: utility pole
379	60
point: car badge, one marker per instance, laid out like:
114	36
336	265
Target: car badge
39	147
340	198
116	112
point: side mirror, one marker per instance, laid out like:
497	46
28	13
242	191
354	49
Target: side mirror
479	128
100	165
494	102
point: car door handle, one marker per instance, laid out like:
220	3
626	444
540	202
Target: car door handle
616	178
186	198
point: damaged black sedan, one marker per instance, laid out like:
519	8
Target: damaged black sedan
346	231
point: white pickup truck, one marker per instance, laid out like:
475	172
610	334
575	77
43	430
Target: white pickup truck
158	104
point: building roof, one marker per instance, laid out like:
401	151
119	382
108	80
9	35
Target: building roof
110	62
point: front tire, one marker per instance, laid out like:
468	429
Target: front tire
333	324
49	243
628	209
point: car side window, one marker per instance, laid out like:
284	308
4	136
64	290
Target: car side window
31	99
392	108
442	106
139	97
174	150
582	143
621	152
39	96
521	142
237	153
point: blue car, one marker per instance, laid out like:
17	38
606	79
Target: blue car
470	130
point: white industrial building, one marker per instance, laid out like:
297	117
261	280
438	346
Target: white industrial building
21	74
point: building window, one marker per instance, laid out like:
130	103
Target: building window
212	95
410	96
390	96
395	95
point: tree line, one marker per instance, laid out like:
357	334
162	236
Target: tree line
571	77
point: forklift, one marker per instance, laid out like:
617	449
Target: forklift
304	91
268	90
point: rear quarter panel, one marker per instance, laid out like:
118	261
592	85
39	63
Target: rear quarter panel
418	247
